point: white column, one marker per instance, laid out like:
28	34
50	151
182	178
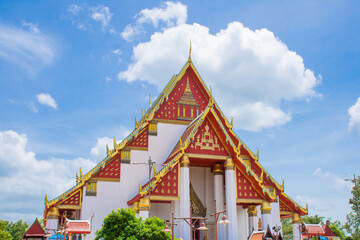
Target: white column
296	220
219	196
144	207
265	215
232	231
52	220
253	220
184	197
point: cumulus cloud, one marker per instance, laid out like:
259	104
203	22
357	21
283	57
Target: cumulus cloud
74	9
32	27
29	49
101	14
99	150
335	181
315	205
251	72
46	99
169	13
25	179
354	112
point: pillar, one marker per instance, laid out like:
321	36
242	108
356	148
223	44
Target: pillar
219	196
253	219
230	192
52	220
184	197
296	220
265	215
144	207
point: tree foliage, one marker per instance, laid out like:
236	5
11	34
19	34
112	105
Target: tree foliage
15	229
313	219
123	225
353	218
4	234
287	230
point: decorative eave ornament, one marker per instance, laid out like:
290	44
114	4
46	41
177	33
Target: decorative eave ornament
189	60
46	200
115	144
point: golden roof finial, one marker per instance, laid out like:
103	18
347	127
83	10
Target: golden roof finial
77	178
115	143
257	154
283	185
232	122
46	199
81	175
155	171
136	123
139	187
107	150
189	60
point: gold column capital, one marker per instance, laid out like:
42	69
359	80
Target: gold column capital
229	164
184	162
144	204
296	218
252	211
53	213
218	169
265	207
136	206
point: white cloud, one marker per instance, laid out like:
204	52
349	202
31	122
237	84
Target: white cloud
315	205
117	52
32	107
32	27
31	50
170	13
251	72
335	182
74	9
107	79
25	179
101	14
354	112
46	99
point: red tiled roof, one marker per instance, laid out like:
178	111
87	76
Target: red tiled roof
256	236
35	230
314	229
328	232
78	226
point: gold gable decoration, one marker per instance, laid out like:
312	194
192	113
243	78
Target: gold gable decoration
197	207
208	141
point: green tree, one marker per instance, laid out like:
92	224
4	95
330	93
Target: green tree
287	230
313	219
17	229
123	225
4	234
353	218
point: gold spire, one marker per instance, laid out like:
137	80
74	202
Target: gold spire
283	185
136	123
187	89
115	143
107	150
46	199
189	60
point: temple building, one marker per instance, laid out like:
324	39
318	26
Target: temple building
196	163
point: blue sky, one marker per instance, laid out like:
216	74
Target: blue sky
74	74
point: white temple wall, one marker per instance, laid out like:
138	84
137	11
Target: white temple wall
161	210
242	220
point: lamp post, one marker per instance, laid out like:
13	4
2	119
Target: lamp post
172	224
192	224
223	220
150	164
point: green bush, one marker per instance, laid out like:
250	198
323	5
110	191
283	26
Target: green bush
123	225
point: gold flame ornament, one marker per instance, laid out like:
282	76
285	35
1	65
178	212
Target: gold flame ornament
46	199
114	143
81	174
107	150
77	178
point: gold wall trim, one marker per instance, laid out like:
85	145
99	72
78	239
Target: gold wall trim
203	156
244	200
164	198
69	207
105	179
